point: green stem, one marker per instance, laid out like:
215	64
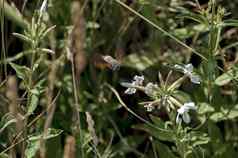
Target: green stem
77	107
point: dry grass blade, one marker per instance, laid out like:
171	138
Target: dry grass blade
91	129
78	38
14	109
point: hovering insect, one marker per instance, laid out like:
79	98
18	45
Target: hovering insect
111	62
106	61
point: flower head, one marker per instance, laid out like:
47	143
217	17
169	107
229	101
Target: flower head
183	112
131	87
188	71
150	88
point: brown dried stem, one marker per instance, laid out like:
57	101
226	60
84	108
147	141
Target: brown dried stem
14	110
69	148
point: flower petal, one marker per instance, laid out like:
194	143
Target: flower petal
186	117
178	67
194	79
126	84
189	105
130	91
181	110
138	80
188	67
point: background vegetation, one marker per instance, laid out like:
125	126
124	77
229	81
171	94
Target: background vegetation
65	66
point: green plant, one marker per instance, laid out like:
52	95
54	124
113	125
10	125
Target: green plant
118	78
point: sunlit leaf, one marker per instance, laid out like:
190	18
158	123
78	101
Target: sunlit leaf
22	72
225	114
34	141
34	97
205	108
139	62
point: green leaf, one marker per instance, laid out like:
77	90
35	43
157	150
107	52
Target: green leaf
50	134
45	50
32	148
34	99
163	150
144	2
159	134
226	77
6	124
205	108
189	31
4	156
128	144
195	17
223	79
181	96
230	22
13	14
34	96
139	62
22	37
199	138
157	121
45	32
22	72
34	141
225	114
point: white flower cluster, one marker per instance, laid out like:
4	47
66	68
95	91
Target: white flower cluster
188	71
137	81
150	89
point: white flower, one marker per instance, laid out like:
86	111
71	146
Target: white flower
137	81
183	112
149	107
130	91
188	71
150	88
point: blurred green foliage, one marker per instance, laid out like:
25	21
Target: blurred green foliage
203	33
